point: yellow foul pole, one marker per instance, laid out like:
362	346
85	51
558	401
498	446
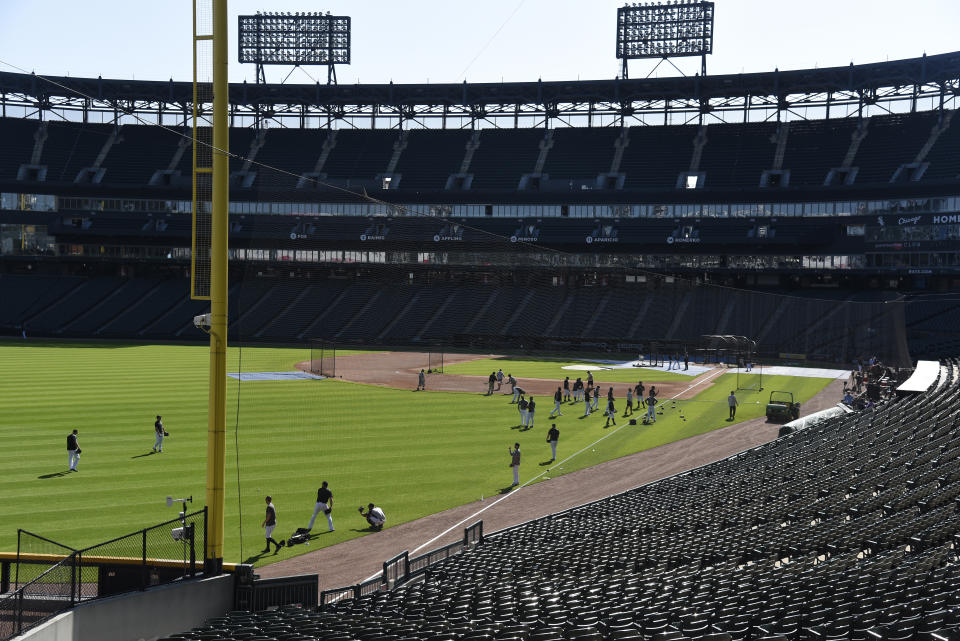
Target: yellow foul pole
216	428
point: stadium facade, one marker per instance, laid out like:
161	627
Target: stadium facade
358	212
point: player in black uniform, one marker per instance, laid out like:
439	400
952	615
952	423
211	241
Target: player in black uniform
73	450
325	503
269	524
557	399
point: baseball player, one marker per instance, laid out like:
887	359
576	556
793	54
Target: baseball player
557	399
629	407
596	398
73	450
499	379
421	381
553	435
611	413
158	429
513	388
651	408
566	389
515	463
325	503
268	525
531	408
522	406
375	517
732	403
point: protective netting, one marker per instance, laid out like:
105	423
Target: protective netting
425	290
325	263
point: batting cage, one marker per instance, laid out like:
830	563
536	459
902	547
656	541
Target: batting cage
323	357
738	352
435	360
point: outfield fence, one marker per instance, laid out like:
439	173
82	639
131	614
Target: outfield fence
50	577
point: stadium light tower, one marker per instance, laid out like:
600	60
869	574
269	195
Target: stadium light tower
271	38
664	30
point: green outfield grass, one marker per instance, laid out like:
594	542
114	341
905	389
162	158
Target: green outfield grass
414	453
549	369
678	420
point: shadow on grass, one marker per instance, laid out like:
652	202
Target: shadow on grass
547	462
256	557
151	453
54	475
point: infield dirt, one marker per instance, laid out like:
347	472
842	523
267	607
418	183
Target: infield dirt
399	370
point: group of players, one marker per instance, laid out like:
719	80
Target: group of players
579	391
373	515
588	392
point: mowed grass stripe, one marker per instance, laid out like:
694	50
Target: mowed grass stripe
414	453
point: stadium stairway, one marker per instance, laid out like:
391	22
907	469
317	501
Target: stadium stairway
149	310
125	296
25	297
311	328
458	312
291	300
439	312
601	307
404	317
53	319
275	302
126	319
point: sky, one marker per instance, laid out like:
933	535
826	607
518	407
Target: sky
413	41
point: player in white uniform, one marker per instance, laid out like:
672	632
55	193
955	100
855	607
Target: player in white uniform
375	517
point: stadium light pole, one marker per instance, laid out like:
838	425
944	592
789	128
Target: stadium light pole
217	412
664	30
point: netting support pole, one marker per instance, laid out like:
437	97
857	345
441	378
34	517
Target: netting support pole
4	577
74	582
216	427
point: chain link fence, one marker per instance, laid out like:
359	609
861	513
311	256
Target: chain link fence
152	556
50	577
49	592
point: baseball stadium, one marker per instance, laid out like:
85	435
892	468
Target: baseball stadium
662	358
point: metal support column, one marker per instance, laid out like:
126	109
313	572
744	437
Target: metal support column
216	427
